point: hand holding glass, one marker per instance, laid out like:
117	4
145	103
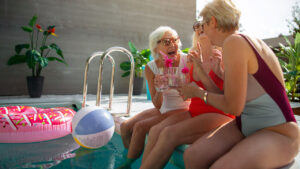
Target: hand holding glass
161	81
176	78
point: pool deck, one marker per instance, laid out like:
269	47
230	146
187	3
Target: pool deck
119	105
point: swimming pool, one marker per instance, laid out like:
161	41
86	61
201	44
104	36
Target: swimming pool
64	153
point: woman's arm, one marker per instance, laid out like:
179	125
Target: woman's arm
199	73
155	96
236	56
217	64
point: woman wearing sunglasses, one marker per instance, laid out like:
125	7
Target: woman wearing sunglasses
265	133
163	40
186	128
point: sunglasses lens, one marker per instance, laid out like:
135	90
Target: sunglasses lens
196	25
166	42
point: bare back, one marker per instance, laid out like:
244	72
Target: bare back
267	55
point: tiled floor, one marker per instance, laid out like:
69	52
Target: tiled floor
119	105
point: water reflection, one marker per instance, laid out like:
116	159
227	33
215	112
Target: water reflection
44	154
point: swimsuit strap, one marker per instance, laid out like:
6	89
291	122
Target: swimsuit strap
271	85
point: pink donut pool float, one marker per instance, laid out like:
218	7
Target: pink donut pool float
24	124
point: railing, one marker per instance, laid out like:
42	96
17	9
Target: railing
103	56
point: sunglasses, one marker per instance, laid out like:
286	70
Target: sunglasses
197	25
167	41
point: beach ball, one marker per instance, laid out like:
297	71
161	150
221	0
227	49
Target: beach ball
92	127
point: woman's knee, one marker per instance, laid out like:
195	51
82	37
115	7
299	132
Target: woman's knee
140	128
169	134
195	157
155	131
123	127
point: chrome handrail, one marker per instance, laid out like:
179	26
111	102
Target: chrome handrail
106	53
99	88
85	86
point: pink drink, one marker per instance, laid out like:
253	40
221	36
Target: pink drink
164	81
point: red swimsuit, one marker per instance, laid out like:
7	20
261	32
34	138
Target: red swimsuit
197	105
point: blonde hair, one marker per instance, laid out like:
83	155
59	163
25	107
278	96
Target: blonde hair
225	12
156	35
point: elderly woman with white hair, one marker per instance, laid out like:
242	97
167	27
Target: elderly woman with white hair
163	40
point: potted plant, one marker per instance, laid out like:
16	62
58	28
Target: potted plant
186	50
36	55
141	58
290	64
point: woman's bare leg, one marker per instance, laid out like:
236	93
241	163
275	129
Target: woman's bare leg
140	129
211	146
185	132
264	149
127	126
155	130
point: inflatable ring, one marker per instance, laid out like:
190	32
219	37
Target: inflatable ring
24	124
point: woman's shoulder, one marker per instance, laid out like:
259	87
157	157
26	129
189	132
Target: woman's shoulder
234	38
151	62
241	38
153	66
237	43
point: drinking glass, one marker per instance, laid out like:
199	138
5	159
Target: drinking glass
173	77
163	79
176	78
184	78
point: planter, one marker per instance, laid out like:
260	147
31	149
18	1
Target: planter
138	85
296	111
35	86
296	107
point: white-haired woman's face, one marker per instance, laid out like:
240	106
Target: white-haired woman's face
168	44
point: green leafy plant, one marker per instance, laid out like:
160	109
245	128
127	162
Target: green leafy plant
186	50
290	64
37	53
141	58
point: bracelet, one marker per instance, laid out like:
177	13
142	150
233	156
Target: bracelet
205	97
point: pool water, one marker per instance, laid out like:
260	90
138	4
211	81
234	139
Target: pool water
64	153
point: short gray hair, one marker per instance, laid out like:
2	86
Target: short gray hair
225	12
156	35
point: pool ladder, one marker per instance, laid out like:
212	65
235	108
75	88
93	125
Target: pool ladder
103	56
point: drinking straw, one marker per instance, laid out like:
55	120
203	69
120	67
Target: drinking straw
168	62
185	69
